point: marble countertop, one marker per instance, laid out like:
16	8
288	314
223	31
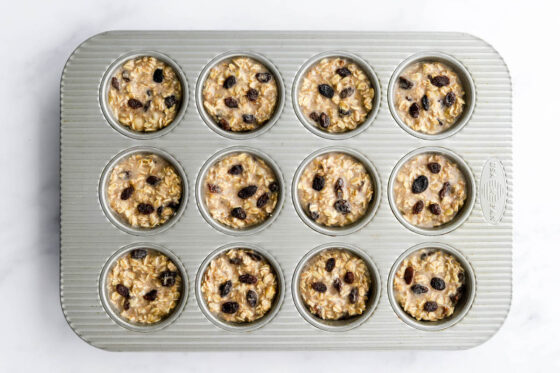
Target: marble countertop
37	38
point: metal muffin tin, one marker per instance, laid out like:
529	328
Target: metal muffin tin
91	238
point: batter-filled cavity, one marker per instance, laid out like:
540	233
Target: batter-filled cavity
335	284
429	190
239	286
336	95
429	284
241	190
335	190
144	286
240	94
145	94
429	97
144	190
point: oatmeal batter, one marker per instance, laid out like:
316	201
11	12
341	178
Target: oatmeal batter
239	286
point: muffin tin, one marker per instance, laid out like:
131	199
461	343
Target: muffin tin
92	237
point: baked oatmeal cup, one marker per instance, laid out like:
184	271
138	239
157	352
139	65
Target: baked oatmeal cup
240	94
144	286
144	94
239	286
144	190
336	95
241	190
335	190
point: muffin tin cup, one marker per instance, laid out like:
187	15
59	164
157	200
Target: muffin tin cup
337	325
462	215
207	118
200	191
114	217
463	306
311	126
240	327
104	91
466	81
113	313
357	225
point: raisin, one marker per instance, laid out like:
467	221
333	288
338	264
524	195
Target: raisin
249	118
134	103
461	276
170	101
435	209
319	287
173	205
404	83
127	192
318	183
230	307
349	277
338	185
274	187
430	306
248	279
314	116
147	105
337	284
126	305
229	82
326	90
462	289
145	208
420	184
329	265
353	296
324	120
225	288
414	110
408	275
445	189
236	261
224	124
342	206
247	192
449	99
153	180
440	122
151	295
158	76
149	92
213	188
159	210
167	278
343	72
418	207
454	298
439	81
252	94
437	283
314	215
236	169
418	289
254	256
263	77
343	112
231	102
425	103
252	298
126	75
347	92
115	83
123	291
263	200
238	213
434	167
138	253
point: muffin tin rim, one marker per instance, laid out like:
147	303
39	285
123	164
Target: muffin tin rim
456	317
240	327
112	215
337	325
374	203
106	302
464	212
104	93
280	99
372	76
200	191
467	83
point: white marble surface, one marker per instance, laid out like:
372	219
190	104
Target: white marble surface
38	36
